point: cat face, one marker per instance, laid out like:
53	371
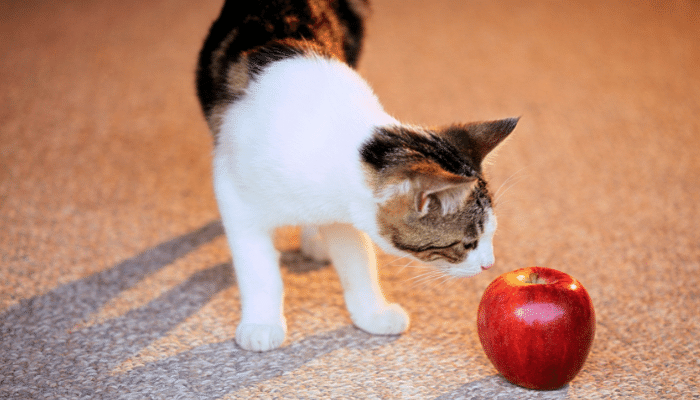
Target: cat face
452	233
433	202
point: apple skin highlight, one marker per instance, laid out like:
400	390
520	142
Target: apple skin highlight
536	325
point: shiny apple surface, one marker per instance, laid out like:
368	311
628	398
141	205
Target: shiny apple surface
536	325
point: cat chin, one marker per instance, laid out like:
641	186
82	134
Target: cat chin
464	270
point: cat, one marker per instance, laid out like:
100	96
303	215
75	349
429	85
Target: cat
301	139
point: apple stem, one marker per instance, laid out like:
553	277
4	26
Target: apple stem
534	278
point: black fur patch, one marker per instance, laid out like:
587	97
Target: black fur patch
354	26
396	145
256	28
481	137
266	55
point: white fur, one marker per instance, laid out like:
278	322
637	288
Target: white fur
396	189
287	154
291	144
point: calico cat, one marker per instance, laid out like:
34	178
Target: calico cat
300	139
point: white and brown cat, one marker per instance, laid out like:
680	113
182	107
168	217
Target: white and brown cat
300	139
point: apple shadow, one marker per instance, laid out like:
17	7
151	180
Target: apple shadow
497	387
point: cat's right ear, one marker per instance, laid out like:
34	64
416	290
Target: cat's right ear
427	179
450	193
478	139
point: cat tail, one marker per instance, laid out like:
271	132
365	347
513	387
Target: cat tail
352	15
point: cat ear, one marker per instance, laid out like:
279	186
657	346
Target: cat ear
478	139
450	197
449	189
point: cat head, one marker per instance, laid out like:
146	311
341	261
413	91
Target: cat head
433	202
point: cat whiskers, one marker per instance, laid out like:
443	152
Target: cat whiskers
450	281
402	259
429	279
503	189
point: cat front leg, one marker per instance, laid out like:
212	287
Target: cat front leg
353	256
262	326
256	265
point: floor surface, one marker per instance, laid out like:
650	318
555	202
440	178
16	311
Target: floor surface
115	278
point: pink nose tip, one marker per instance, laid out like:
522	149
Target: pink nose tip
485	267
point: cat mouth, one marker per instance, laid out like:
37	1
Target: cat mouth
464	272
464	269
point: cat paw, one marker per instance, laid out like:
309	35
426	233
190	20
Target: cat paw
390	320
260	337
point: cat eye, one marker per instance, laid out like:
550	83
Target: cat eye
449	246
471	245
467	246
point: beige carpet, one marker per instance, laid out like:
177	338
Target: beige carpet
115	277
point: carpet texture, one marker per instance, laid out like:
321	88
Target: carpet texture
115	278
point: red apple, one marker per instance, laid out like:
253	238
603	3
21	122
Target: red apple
536	326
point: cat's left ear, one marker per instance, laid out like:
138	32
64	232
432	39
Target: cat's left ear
478	139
